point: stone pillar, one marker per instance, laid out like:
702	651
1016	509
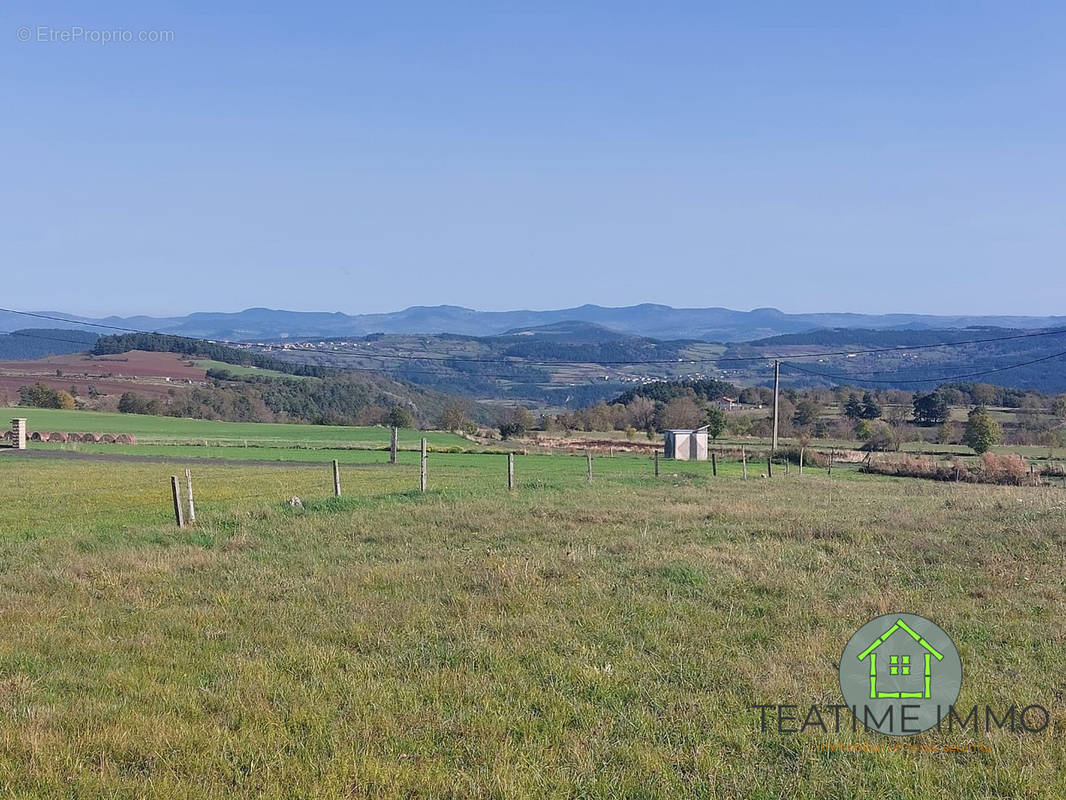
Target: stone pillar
18	429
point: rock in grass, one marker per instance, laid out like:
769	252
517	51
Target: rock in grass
295	502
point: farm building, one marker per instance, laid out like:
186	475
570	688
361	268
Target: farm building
686	445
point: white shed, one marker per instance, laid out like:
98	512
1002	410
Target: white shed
686	445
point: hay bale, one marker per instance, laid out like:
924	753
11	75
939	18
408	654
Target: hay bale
37	436
56	436
91	438
109	438
126	438
9	436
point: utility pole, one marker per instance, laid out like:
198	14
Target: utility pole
777	382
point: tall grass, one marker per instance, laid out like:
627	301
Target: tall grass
563	640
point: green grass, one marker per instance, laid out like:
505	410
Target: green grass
564	640
152	429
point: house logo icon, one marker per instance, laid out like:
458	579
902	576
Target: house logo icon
900	674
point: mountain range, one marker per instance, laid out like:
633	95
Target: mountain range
646	319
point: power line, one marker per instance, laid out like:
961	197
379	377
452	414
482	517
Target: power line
941	379
714	360
556	362
48	338
72	321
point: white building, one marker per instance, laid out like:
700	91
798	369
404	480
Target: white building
686	445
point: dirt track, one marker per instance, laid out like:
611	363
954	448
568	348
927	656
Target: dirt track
9	452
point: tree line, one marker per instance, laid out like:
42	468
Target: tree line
201	348
34	343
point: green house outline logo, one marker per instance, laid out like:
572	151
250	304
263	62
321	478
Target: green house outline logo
900	665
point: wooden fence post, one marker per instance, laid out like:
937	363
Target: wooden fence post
422	478
588	464
336	479
179	517
510	472
714	465
188	491
801	460
788	463
392	446
656	463
744	461
830	467
769	465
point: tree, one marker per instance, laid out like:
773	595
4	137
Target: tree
897	415
853	409
41	396
930	409
882	437
981	431
66	399
716	422
945	433
740	424
515	421
807	412
682	412
452	416
983	394
641	413
133	403
750	396
399	417
871	409
1058	407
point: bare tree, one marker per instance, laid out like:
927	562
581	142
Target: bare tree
641	413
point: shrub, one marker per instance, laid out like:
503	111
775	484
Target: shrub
862	430
399	417
1008	469
133	403
882	438
41	396
811	458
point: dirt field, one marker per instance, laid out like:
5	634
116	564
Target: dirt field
151	374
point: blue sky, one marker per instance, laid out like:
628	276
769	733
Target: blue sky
367	157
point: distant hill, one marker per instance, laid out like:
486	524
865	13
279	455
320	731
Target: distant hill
32	343
647	319
555	363
571	363
911	359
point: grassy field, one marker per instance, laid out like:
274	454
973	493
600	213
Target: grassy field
174	430
238	369
565	640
